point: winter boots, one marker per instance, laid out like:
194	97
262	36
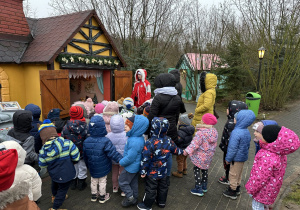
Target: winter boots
177	174
229	193
81	184
129	201
197	190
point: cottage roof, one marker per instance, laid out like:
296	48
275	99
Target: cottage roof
52	34
199	62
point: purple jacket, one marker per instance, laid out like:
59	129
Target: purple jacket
269	166
117	135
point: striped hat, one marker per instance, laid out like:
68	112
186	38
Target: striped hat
76	113
47	130
46	124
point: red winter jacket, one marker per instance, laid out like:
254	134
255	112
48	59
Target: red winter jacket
142	89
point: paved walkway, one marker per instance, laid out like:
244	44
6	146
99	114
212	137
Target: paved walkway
179	196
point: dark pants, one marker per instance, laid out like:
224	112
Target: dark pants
198	178
155	189
226	167
128	182
59	190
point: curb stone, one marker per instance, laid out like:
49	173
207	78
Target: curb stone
284	188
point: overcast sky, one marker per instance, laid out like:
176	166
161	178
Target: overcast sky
44	10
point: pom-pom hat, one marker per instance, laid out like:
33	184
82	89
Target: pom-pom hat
47	130
209	119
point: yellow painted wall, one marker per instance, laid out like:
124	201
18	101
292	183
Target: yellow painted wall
24	83
32	83
16	81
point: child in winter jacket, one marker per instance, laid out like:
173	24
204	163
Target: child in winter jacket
201	151
25	172
154	163
185	136
13	195
76	130
233	107
110	109
257	127
269	165
98	151
118	137
127	106
21	131
54	116
58	156
128	180
238	150
36	114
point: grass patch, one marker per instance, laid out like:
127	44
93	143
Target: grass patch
294	194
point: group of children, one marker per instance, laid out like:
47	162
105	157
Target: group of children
110	137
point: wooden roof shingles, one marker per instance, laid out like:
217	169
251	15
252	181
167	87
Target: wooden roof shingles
52	34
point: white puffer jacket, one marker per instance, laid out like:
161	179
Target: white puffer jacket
25	172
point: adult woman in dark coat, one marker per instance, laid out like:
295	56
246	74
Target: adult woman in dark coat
166	103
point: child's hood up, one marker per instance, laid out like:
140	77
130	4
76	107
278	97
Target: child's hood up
117	124
244	119
286	143
159	126
139	127
97	127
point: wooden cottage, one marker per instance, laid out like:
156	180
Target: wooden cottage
53	62
190	66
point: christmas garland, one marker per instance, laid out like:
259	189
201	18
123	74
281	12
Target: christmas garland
87	60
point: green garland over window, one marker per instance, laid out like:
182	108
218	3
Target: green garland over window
87	60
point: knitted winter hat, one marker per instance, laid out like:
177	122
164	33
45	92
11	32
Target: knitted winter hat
99	108
90	105
209	119
129	122
258	127
128	103
76	113
47	130
146	111
270	132
53	113
186	119
111	108
104	102
8	164
120	101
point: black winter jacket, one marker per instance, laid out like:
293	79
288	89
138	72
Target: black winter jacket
167	106
233	107
185	136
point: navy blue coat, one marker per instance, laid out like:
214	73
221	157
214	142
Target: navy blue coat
36	114
239	142
98	151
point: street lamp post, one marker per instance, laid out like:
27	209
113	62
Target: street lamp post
261	53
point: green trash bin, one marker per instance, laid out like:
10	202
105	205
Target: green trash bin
253	101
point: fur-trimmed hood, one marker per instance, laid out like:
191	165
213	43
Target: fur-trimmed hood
15	193
143	73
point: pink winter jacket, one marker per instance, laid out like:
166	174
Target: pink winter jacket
203	146
269	167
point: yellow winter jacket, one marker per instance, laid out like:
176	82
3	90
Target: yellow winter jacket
206	100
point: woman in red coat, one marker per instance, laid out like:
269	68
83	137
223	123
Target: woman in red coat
142	88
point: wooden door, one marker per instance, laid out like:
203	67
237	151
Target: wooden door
55	91
123	84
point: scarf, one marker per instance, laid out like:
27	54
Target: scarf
166	90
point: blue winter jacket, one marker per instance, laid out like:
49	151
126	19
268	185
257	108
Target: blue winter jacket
36	114
133	149
98	151
240	138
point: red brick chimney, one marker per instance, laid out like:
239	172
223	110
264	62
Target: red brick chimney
12	18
